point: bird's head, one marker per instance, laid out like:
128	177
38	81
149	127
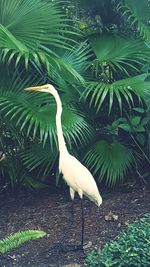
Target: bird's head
47	88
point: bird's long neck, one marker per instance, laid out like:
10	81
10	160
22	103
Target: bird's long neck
61	140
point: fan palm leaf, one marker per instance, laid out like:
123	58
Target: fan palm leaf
121	53
34	23
39	158
32	31
120	90
138	14
78	57
34	113
109	161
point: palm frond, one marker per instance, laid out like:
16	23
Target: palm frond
137	14
42	20
72	65
30	32
78	57
34	114
39	158
121	53
109	162
119	90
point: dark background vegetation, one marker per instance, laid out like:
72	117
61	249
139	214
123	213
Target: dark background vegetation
97	55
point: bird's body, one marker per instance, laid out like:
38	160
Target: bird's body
76	175
79	179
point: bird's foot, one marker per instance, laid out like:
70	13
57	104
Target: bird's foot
63	247
71	247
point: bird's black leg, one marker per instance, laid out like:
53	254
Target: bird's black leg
66	231
71	247
82	224
61	244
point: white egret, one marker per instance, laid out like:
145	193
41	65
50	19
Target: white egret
76	175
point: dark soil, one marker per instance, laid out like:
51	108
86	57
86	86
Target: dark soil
51	212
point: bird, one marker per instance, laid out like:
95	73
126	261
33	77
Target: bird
77	176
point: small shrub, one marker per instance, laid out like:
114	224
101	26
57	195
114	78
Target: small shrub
130	249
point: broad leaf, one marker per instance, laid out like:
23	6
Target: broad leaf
110	162
119	52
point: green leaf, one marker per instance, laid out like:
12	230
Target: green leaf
110	162
140	110
137	14
121	90
141	138
130	248
135	120
39	158
34	114
125	126
31	31
118	52
19	238
145	120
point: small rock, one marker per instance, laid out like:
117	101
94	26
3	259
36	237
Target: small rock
134	201
127	222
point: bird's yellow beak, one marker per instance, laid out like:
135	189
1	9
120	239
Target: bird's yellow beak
36	88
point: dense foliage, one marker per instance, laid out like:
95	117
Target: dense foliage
130	248
96	53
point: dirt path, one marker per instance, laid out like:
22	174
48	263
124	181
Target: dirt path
52	213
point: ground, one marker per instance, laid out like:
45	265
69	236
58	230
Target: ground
51	212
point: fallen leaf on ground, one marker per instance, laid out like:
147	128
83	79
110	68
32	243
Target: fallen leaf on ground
88	245
111	217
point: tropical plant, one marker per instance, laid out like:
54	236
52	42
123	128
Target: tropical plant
31	32
99	72
137	14
130	248
116	86
37	46
17	239
100	158
29	128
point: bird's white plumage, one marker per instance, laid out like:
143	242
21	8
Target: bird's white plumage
76	175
